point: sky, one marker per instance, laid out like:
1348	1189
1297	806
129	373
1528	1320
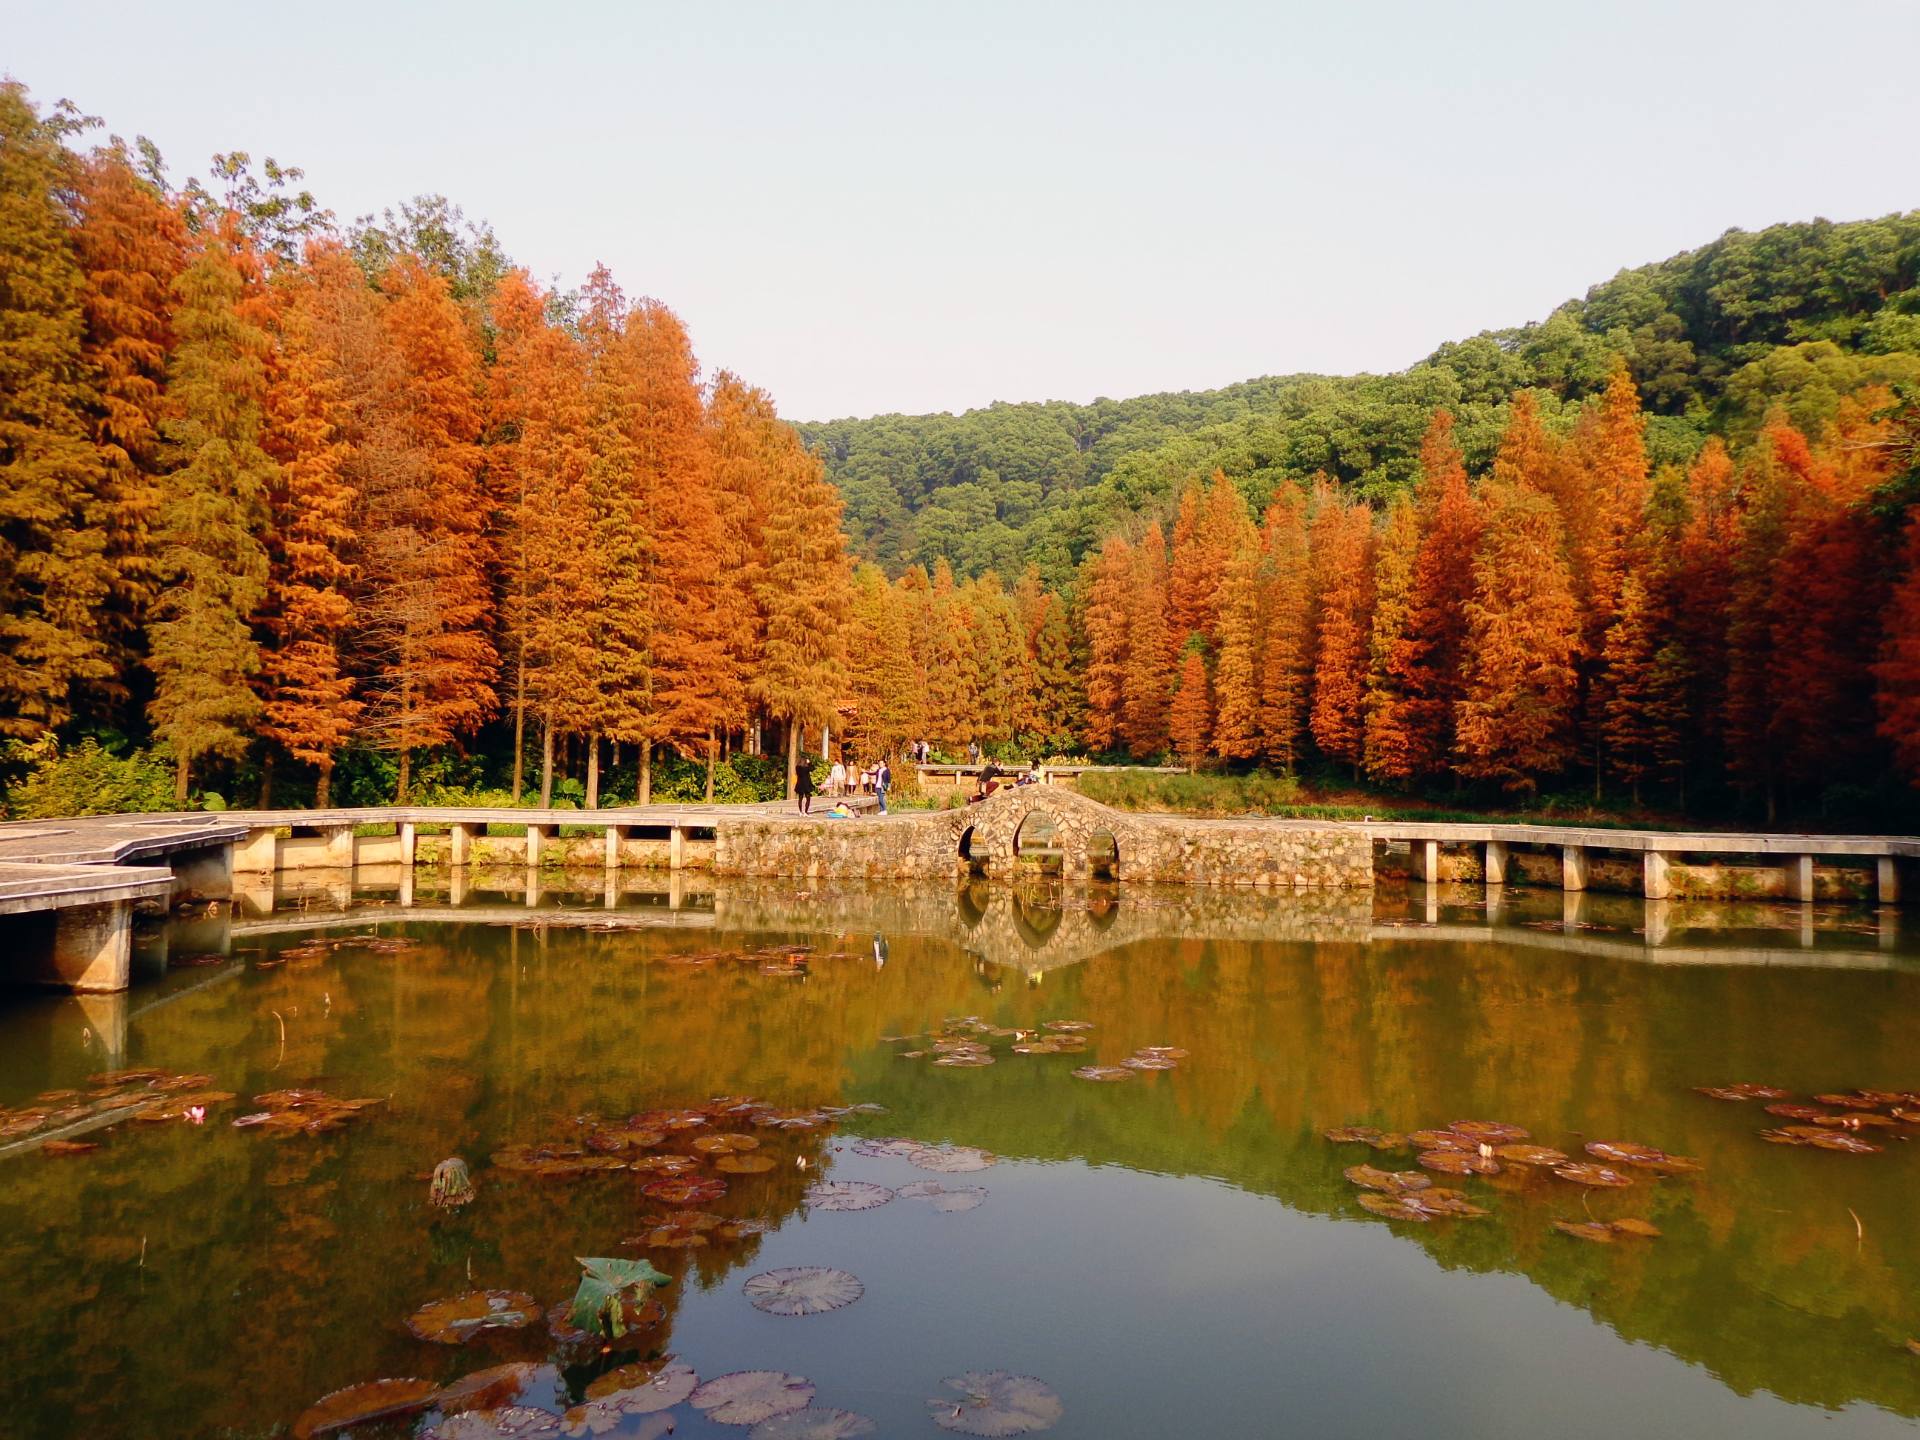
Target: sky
914	206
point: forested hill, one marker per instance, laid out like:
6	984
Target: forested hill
1798	314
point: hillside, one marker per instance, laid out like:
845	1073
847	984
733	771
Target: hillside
1797	313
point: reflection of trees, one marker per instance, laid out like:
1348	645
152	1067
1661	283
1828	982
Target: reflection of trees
280	1269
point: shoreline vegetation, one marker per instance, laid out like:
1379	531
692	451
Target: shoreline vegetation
292	510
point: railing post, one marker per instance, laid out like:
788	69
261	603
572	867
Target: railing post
1573	867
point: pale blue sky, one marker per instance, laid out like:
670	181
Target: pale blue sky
911	206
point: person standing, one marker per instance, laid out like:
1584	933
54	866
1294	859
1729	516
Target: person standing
882	782
803	791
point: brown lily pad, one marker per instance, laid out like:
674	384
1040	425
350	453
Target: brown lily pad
1103	1072
747	1397
357	1404
1441	1140
663	1167
744	1164
1458	1162
725	1144
684	1190
1390	1207
1851	1102
68	1147
456	1320
1628	1152
666	1381
1598	1176
1392	1182
509	1422
1067	1027
1530	1154
1489	1132
1439	1202
488	1389
1745	1090
1149	1062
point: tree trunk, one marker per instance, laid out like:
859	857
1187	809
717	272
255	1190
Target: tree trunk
406	774
713	750
520	726
266	782
593	772
180	782
646	772
793	756
546	762
323	787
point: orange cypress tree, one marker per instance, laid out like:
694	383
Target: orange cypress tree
1389	749
1523	632
309	707
1342	547
947	646
1750	696
1426	662
202	648
1624	709
426	601
1897	698
1106	584
131	244
55	575
1189	597
1151	655
1237	730
1286	628
1702	568
537	470
1190	721
744	441
1528	456
805	596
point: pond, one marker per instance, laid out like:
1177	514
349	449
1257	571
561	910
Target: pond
1172	1253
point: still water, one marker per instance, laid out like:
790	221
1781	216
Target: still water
1175	1254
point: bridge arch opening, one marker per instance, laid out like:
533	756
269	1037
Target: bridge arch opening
1036	844
976	864
1103	855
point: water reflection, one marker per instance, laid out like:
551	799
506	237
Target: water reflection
279	1270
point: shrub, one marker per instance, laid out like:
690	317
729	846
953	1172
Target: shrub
88	779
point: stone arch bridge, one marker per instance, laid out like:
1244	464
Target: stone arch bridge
985	839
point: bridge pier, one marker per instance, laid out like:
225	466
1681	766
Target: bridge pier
1800	879
92	949
614	835
1656	879
1573	866
1425	858
537	835
409	834
258	853
1886	887
676	848
1494	862
202	874
460	844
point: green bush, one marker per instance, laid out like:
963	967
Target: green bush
739	780
1256	794
87	779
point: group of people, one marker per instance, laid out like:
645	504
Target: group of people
875	780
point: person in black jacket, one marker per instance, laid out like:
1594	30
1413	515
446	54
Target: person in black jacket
803	791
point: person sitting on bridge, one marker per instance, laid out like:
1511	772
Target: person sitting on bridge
988	780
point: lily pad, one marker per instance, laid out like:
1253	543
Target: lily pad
1390	1207
1436	1201
952	1159
1149	1062
947	1200
996	1403
744	1164
965	1060
1067	1027
1393	1182
847	1195
816	1422
1489	1132
1458	1162
1796	1112
1745	1090
802	1290
1103	1072
612	1295
725	1144
1600	1176
357	1404
1441	1140
1585	1230
747	1397
1164	1052
1845	1144
511	1422
488	1389
456	1320
661	1383
1530	1154
886	1148
1354	1134
1627	1152
663	1167
597	1417
684	1190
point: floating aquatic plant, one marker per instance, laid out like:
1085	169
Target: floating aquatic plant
459	1318
847	1195
609	1291
452	1184
358	1404
802	1290
996	1403
816	1422
747	1397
